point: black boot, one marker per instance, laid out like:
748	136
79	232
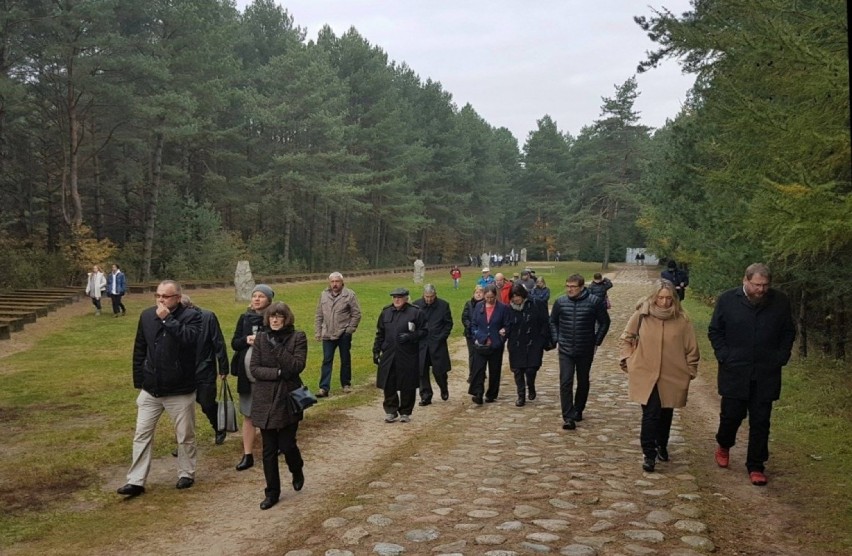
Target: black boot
521	401
246	462
531	388
298	480
649	463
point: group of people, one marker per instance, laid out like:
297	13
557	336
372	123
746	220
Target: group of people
179	353
113	285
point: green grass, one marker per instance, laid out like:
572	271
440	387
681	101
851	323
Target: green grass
68	409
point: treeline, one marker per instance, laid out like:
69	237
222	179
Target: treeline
179	137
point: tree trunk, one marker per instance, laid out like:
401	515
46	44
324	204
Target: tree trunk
151	212
99	200
75	219
803	326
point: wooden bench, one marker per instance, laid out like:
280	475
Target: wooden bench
5	332
14	324
549	268
40	310
24	315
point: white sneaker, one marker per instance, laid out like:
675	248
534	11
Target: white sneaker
390	418
404	418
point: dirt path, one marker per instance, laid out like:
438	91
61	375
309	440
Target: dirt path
492	479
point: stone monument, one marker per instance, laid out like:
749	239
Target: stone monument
524	255
243	281
419	271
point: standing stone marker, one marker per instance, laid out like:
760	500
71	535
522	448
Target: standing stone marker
524	255
243	281
419	271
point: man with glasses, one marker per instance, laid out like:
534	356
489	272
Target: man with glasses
579	322
752	334
164	372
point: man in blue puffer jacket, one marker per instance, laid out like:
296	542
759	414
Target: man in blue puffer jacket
579	322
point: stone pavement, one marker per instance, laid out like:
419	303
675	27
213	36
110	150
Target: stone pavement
501	480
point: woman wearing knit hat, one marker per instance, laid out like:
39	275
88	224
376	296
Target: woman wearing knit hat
248	325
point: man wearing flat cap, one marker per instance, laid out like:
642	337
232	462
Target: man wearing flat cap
396	350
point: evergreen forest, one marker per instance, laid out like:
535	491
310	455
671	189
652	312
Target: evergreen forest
179	136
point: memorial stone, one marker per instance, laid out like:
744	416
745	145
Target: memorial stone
243	281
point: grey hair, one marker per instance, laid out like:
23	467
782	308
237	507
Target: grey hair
429	288
186	301
335	275
760	269
172	283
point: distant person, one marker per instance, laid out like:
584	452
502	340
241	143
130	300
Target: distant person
529	336
95	287
659	353
116	288
164	372
600	286
490	325
540	292
558	256
676	276
396	350
278	357
211	361
636	259
486	277
752	334
245	333
527	280
337	318
579	322
467	322
434	352
455	274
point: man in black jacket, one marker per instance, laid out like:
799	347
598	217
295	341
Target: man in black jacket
434	352
579	322
752	334
210	354
164	371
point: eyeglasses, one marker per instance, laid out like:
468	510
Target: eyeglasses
161	296
572	286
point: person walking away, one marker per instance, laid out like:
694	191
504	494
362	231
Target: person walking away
659	353
529	336
490	325
467	322
600	286
116	288
164	373
752	333
245	334
434	352
277	359
579	323
337	318
677	277
396	351
95	286
211	361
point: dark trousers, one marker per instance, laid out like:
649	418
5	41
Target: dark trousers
569	365
494	363
731	417
399	402
117	305
96	302
426	382
344	345
656	425
277	441
205	396
525	378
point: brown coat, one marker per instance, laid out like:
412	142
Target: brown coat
276	366
666	355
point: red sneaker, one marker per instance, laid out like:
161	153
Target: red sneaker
722	456
757	478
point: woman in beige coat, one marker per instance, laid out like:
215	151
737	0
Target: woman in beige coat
660	355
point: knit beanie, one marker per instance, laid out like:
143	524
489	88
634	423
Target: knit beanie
265	290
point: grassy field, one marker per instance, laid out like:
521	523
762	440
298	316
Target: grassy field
68	412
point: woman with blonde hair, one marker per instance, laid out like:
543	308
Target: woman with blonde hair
659	353
95	286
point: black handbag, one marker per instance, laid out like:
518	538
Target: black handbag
302	398
226	412
483	349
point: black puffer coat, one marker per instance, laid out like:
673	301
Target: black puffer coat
286	351
579	324
529	334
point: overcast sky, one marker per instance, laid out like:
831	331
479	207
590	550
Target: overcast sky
515	61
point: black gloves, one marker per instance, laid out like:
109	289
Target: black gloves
376	357
405	337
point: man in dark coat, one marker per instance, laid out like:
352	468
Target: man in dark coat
211	356
752	334
434	352
677	276
579	322
396	351
164	373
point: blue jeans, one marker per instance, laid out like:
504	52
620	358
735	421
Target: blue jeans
344	344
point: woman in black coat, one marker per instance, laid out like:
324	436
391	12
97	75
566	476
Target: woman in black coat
248	325
277	359
396	350
490	326
529	336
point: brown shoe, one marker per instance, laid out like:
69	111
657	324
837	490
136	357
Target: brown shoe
722	456
323	393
